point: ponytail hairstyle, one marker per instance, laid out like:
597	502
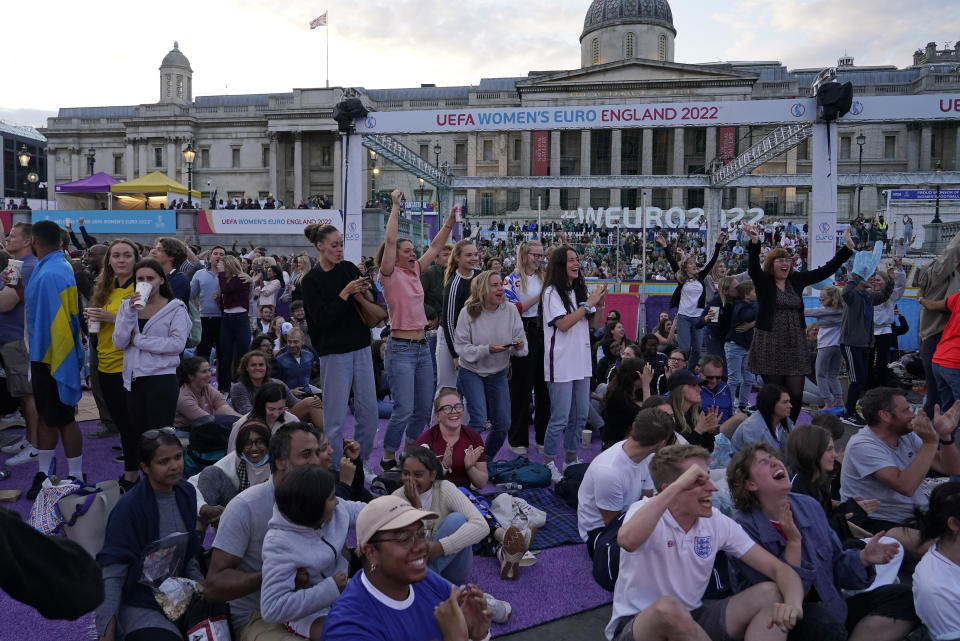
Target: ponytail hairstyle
454	260
316	233
521	267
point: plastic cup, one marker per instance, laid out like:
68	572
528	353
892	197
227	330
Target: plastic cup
586	437
13	270
715	310
93	326
144	289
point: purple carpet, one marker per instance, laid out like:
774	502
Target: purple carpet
534	597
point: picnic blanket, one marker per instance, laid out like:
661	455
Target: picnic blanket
561	527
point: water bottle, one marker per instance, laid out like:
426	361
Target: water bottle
722	451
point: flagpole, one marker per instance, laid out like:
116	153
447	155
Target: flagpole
327	30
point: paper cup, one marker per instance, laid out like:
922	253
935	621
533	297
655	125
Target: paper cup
13	270
93	326
586	437
715	310
144	289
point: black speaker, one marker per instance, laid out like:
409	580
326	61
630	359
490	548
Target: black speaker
834	100
347	111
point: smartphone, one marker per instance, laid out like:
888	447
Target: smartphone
850	506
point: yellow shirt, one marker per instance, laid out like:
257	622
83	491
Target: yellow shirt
109	358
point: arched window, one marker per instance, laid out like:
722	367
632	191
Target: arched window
663	48
628	46
596	51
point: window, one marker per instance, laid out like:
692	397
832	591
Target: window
424	151
662	49
235	157
460	153
325	155
803	150
265	156
845	147
158	156
771	203
487	150
117	164
628	46
179	86
695	198
889	147
205	158
516	149
513	198
596	51
263	195
486	203
169	84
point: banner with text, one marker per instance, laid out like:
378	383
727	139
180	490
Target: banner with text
278	221
924	194
151	221
541	153
680	114
6	221
727	143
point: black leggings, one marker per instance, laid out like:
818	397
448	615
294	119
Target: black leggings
115	398
152	634
792	385
152	403
526	375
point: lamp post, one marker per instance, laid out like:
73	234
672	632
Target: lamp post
374	172
861	139
189	155
91	158
420	180
24	159
936	212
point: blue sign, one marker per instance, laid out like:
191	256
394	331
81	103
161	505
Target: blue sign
924	194
124	221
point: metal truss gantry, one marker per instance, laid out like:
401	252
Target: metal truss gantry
780	140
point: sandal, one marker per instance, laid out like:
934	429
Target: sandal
515	544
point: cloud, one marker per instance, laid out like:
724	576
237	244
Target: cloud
26	117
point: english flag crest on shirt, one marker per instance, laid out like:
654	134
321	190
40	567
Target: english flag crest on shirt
701	546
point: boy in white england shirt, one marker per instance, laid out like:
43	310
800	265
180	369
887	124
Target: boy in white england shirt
668	545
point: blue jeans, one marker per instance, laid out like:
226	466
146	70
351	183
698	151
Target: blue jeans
740	380
411	372
453	567
948	385
487	397
234	343
689	339
569	405
828	372
341	373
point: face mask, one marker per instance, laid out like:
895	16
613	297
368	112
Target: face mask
263	461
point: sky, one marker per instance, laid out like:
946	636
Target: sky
72	54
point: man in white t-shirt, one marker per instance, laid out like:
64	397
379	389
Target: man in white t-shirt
668	546
620	475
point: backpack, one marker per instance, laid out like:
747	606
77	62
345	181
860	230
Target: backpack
208	444
569	486
387	482
521	471
196	328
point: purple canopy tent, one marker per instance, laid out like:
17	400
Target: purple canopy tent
71	195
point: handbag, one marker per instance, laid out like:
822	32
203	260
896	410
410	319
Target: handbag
370	313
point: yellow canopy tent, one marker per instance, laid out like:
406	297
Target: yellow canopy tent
148	192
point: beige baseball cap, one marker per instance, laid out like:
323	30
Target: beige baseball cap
387	513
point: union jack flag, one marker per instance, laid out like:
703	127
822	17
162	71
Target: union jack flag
319	21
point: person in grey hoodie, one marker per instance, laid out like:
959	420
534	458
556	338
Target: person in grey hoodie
883	317
489	331
856	337
303	570
829	355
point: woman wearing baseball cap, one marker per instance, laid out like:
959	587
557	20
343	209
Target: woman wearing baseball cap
395	598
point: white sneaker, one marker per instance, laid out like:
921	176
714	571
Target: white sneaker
520	450
14	419
555	474
16	447
500	610
27	454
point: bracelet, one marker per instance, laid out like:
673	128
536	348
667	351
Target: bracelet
950	442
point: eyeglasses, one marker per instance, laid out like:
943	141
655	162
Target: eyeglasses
446	409
677	360
152	434
407	539
257	442
535	255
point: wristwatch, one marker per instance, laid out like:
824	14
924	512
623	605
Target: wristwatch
590	310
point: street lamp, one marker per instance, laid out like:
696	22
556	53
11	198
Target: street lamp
420	180
24	158
936	212
436	155
189	155
91	156
861	139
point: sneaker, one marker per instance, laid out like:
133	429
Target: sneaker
519	450
6	440
16	446
38	480
13	419
27	454
104	432
555	474
386	465
853	419
118	458
500	610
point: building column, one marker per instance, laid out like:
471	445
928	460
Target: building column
711	146
272	136
172	158
678	167
585	144
526	159
790	193
502	149
338	172
142	149
472	171
646	159
297	166
926	146
913	148
616	162
554	168
128	159
74	163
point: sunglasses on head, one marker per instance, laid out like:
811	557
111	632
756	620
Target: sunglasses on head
152	434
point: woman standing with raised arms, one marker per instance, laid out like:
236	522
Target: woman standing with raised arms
341	340
408	362
456	288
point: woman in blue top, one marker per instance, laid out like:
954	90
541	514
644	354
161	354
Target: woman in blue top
771	422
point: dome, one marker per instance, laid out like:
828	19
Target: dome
175	59
607	13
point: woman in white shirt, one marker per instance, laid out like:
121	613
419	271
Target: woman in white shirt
936	581
567	311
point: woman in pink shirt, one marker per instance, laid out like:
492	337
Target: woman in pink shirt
408	362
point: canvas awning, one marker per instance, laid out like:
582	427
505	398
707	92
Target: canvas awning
155	182
98	183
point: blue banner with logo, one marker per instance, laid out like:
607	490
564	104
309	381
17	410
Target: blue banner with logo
130	221
924	194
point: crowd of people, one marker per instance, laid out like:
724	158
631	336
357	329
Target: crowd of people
475	356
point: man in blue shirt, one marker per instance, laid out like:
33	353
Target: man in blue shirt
203	291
